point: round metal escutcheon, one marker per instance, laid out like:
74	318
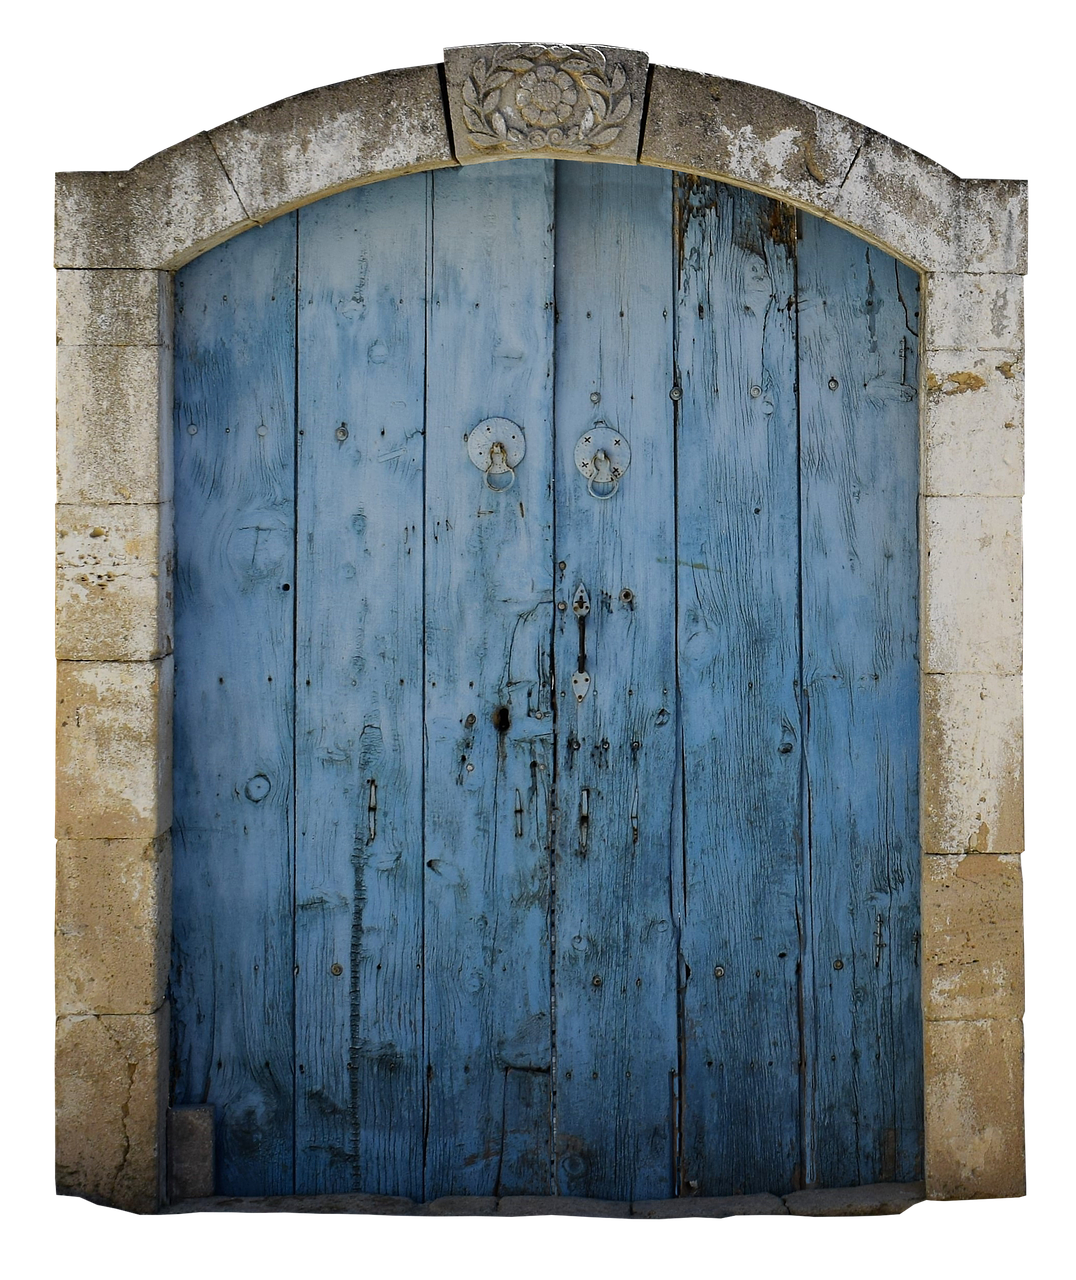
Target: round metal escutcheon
502	431
602	454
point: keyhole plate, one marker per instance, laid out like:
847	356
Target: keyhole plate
580	685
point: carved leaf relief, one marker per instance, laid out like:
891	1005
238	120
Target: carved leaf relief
534	96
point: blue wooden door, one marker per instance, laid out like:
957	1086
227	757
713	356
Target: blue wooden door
548	830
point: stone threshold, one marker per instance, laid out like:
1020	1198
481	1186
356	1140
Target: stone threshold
841	1202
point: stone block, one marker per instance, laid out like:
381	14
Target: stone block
972	586
708	1207
114	424
929	216
461	1206
972	767
747	134
974	1121
583	102
111	1084
114	582
113	308
973	438
562	1207
113	925
966	312
972	936
378	126
346	1202
190	1152
158	215
114	735
855	1202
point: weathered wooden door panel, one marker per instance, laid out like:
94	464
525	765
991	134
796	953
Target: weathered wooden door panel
738	558
858	347
618	801
488	731
232	987
443	926
360	1073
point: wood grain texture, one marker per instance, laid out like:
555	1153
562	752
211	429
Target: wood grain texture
738	565
362	355
234	449
858	320
488	725
618	782
489	940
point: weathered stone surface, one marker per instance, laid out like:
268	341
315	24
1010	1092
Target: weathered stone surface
114	735
972	585
113	915
158	215
111	1084
855	1202
348	1203
118	234
974	424
114	581
967	312
562	1207
323	141
580	101
972	767
113	308
974	1121
461	1206
190	1152
729	129
972	936
930	216
708	1207
114	424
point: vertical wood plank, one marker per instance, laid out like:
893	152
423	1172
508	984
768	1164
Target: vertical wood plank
859	429
362	346
488	628
738	536
618	784
234	446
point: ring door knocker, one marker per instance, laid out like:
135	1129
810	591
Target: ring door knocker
602	455
496	447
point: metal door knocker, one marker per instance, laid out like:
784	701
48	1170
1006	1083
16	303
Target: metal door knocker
602	455
496	447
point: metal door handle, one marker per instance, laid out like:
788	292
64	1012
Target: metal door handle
496	447
602	455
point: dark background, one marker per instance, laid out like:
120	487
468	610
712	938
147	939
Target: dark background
113	105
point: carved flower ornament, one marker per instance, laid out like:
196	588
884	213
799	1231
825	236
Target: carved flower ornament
527	97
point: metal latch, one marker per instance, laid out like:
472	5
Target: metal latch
496	447
602	455
580	677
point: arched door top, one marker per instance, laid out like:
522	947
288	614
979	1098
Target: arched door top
572	102
119	238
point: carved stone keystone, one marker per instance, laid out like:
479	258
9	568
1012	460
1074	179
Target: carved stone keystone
584	102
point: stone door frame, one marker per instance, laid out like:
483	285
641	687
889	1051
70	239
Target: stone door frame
120	236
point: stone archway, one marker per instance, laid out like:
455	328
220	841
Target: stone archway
119	238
